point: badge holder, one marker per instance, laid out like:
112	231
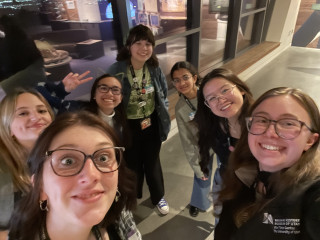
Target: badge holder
145	123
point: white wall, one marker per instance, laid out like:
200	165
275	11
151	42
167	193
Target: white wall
280	30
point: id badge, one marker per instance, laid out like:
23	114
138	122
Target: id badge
145	123
150	89
142	103
191	115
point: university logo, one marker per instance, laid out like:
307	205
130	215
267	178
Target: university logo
267	218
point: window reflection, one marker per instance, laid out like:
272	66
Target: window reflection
213	32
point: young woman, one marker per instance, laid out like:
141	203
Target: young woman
79	153
24	115
146	105
105	99
272	184
223	103
186	80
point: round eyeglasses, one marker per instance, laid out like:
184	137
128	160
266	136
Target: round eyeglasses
104	89
213	100
70	162
285	128
184	78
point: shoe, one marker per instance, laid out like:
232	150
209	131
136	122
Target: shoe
163	206
193	211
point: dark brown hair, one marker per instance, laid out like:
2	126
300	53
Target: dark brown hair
208	123
137	33
28	217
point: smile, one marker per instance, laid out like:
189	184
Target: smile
270	147
225	107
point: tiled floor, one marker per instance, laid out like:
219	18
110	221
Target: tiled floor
296	67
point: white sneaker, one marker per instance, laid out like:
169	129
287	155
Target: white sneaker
163	206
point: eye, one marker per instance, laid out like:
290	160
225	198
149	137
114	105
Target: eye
261	120
289	123
68	161
116	90
225	90
211	99
22	113
43	111
104	88
185	77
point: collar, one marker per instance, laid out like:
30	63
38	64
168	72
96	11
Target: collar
247	175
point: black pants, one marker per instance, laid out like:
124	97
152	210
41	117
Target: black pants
143	157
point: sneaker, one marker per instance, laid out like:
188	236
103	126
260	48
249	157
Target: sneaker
193	211
163	206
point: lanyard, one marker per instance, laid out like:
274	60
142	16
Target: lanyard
189	103
135	84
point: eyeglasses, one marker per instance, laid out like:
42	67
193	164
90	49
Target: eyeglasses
213	100
104	89
70	162
285	128
185	78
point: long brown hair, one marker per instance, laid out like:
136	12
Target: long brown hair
28	217
12	153
305	170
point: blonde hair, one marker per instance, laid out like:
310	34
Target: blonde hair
12	154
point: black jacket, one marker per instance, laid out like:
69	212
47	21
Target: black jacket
294	214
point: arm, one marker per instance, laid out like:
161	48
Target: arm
188	140
55	94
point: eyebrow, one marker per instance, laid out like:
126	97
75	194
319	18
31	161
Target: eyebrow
23	107
71	145
286	115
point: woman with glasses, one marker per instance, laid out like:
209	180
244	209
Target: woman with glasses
79	184
272	184
105	100
223	103
186	80
146	105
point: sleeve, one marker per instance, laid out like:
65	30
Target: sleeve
127	228
54	94
28	77
189	144
6	199
311	219
164	87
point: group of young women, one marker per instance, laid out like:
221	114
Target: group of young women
266	185
75	184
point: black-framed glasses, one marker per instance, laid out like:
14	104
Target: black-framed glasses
104	89
70	162
285	128
213	100
184	78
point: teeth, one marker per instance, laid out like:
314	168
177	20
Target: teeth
225	107
269	147
85	196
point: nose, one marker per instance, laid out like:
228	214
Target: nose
34	116
271	130
89	173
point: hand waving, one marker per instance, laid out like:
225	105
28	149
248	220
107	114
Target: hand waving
73	80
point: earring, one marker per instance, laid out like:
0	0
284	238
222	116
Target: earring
44	205
118	195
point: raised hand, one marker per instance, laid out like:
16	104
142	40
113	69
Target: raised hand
73	80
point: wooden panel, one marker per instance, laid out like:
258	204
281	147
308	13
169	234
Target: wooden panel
248	58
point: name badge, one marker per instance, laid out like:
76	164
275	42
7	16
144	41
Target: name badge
142	103
149	89
191	115
145	123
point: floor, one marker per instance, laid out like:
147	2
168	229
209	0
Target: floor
295	67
